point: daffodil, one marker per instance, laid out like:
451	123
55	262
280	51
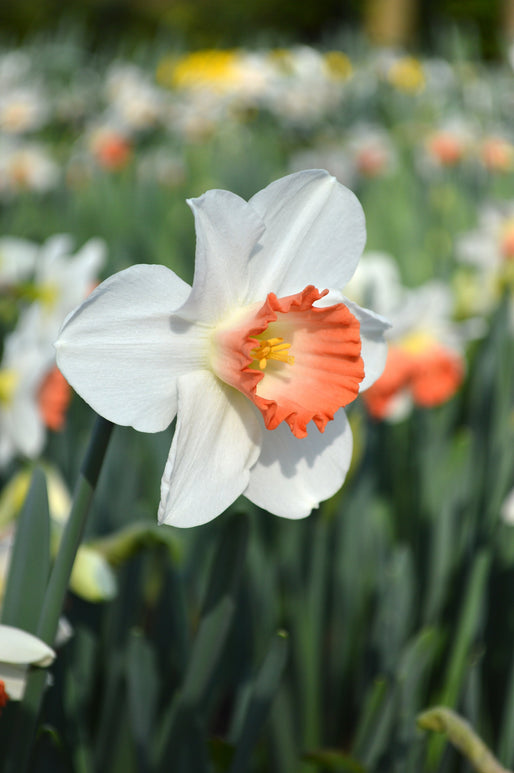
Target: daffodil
257	360
18	651
425	363
62	279
17	259
22	369
26	166
488	251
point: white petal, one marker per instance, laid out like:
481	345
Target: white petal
292	475
14	679
53	248
64	632
227	231
92	577
90	259
217	440
372	330
374	346
17	258
123	349
27	428
19	647
315	233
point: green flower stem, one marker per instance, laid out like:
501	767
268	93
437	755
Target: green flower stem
462	736
56	591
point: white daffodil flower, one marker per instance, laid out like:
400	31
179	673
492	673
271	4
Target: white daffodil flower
255	360
17	260
18	651
22	368
62	280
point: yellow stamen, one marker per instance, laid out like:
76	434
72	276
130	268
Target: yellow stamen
48	294
416	342
8	383
272	349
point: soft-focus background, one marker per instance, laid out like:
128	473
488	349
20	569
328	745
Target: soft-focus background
255	643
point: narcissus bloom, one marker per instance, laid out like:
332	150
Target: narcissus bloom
488	251
425	363
256	360
22	368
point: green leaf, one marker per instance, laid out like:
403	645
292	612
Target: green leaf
30	560
142	692
180	735
374	702
261	697
220	754
330	759
466	631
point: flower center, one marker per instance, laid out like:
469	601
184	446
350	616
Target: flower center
8	383
250	351
45	293
416	342
272	349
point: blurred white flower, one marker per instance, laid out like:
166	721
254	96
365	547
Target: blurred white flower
377	285
489	251
26	167
22	369
62	279
446	145
195	117
33	394
496	152
136	104
425	363
15	66
18	651
23	109
371	150
163	166
17	260
303	89
328	155
109	145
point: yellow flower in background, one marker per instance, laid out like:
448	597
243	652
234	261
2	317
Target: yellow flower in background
406	74
212	69
339	65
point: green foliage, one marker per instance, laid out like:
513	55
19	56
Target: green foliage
30	561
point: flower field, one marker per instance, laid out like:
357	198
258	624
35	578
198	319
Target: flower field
187	611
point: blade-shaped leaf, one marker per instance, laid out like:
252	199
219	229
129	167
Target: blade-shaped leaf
30	560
